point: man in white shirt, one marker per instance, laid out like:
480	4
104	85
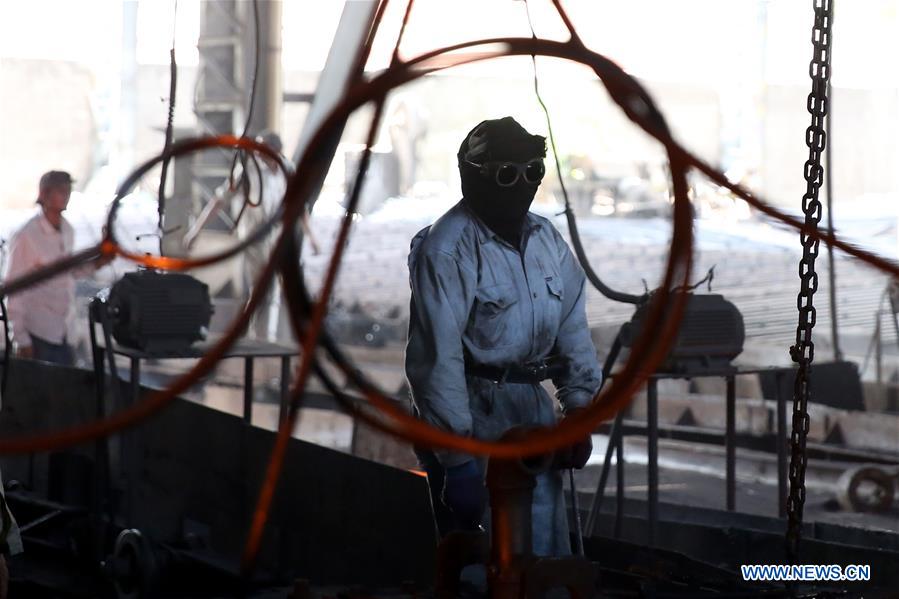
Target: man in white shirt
39	315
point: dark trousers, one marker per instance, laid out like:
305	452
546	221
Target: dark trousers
58	353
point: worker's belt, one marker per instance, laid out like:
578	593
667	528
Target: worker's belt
526	374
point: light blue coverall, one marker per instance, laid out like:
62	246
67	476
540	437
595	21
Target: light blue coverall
473	293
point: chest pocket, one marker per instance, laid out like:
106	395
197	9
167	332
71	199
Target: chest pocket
493	318
554	296
554	286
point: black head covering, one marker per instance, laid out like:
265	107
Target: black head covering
503	209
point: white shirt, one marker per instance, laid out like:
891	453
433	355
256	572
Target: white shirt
44	309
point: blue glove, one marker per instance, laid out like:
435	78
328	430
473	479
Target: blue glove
465	495
574	456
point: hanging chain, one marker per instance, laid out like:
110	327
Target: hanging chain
804	351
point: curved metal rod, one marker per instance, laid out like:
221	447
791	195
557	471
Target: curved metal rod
316	326
159	399
309	342
109	246
177	149
884	264
54	268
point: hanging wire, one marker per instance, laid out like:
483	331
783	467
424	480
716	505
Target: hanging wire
169	127
244	181
579	250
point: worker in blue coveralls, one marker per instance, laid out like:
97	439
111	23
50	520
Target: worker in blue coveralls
497	306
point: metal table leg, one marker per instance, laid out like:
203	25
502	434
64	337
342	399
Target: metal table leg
248	390
131	457
652	425
619	489
878	358
598	495
730	443
781	429
285	386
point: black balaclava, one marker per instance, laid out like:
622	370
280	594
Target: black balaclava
503	209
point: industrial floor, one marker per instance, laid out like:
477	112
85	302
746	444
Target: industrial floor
697	489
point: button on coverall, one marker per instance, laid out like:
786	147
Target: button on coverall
475	294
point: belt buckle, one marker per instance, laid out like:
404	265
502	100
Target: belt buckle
539	371
502	378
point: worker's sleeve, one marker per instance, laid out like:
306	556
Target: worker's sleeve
22	259
581	376
442	296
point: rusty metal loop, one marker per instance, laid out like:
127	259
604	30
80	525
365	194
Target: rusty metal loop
109	246
628	94
184	147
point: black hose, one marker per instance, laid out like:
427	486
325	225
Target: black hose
581	254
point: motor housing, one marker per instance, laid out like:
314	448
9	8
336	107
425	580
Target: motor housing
159	313
710	336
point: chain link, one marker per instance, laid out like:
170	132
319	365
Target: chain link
803	353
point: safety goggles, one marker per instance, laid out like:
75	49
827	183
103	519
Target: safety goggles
506	174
